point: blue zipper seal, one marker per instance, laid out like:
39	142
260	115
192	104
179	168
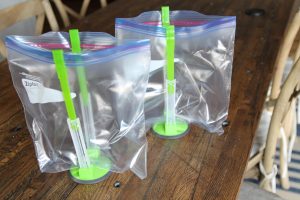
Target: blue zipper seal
88	58
133	24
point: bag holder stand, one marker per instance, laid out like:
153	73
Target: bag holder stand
172	127
89	156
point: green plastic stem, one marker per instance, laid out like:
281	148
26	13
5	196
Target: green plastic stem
170	46
170	56
76	48
61	70
165	15
170	51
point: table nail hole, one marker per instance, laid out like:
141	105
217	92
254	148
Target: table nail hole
15	129
117	184
255	12
225	123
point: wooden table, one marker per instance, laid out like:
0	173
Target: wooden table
198	166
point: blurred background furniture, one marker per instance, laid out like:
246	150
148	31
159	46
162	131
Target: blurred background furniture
284	104
62	9
283	55
34	11
65	9
288	129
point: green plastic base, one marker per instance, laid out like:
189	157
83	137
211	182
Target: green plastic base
93	174
172	132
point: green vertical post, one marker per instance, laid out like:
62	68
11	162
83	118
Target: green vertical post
170	51
76	48
165	15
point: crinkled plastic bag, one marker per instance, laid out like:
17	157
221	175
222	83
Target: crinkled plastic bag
203	64
117	75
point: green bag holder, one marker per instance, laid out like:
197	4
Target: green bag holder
88	172
172	127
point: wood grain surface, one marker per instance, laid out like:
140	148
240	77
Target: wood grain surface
198	166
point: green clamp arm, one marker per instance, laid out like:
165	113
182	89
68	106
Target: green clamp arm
61	70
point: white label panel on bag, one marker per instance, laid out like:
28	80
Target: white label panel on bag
37	93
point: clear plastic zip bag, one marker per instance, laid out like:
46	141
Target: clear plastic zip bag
116	74
203	64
